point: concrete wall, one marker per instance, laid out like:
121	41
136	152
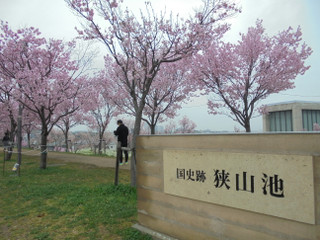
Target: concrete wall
184	218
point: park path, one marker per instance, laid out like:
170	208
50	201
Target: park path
76	158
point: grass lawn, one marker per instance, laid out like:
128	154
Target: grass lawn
66	201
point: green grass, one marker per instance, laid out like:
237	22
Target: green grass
66	201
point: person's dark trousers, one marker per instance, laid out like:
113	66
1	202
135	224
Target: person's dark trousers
125	152
121	152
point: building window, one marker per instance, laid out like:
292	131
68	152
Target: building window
280	121
310	117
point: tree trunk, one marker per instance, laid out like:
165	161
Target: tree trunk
153	129
43	156
136	132
66	136
19	138
11	136
100	143
29	139
247	126
66	141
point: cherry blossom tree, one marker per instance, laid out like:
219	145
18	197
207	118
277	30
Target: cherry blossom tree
13	61
170	88
67	122
88	138
239	75
44	76
100	109
81	140
186	125
139	46
56	139
100	118
170	127
84	57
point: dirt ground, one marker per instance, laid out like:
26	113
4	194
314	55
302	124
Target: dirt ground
76	158
97	161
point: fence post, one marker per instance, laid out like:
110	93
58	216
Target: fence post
116	176
6	153
133	168
4	160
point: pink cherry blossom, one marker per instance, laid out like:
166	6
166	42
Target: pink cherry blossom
42	76
140	45
239	75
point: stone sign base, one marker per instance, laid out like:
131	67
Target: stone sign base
229	186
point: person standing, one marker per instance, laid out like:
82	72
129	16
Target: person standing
122	132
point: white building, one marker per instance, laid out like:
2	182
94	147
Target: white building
291	116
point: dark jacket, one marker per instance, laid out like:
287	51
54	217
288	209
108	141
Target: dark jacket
122	132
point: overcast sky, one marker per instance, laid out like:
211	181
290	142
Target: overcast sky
54	19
